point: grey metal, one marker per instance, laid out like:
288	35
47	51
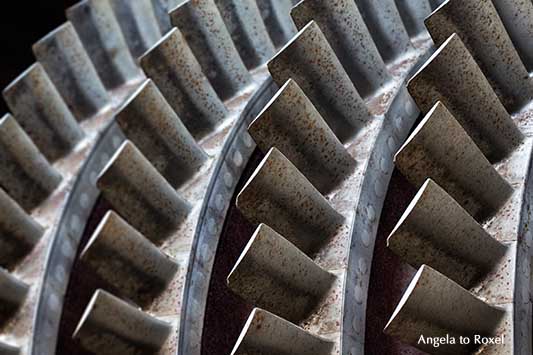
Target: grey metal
517	16
247	29
273	274
161	10
176	72
62	55
127	260
435	230
434	305
111	326
279	195
478	25
206	34
344	28
150	123
276	16
311	62
441	150
236	150
6	349
138	21
19	232
26	175
141	195
40	110
291	123
386	26
472	102
102	37
413	13
265	333
65	237
13	292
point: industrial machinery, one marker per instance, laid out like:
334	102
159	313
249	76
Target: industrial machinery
259	177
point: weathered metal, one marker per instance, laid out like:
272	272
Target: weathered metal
276	16
279	195
127	260
19	232
310	61
435	306
39	108
103	40
478	25
472	102
141	195
112	326
517	16
413	14
435	230
206	34
386	26
276	276
248	31
175	70
68	65
265	333
285	184
344	28
149	122
291	123
138	21
12	294
440	149
26	175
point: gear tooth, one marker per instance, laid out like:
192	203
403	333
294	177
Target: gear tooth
19	231
7	349
265	333
276	16
12	294
435	306
436	231
40	110
139	23
452	76
124	258
311	62
150	123
275	275
517	16
247	29
102	38
440	149
208	38
175	70
141	195
280	196
413	13
68	65
477	23
385	24
26	175
112	326
291	123
344	28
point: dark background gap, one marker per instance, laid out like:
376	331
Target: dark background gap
22	23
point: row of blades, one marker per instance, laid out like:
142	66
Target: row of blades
175	84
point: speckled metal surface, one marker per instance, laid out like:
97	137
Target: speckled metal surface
322	189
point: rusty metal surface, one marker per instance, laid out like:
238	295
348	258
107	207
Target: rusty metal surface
320	188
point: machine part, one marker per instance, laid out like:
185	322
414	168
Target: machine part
120	222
